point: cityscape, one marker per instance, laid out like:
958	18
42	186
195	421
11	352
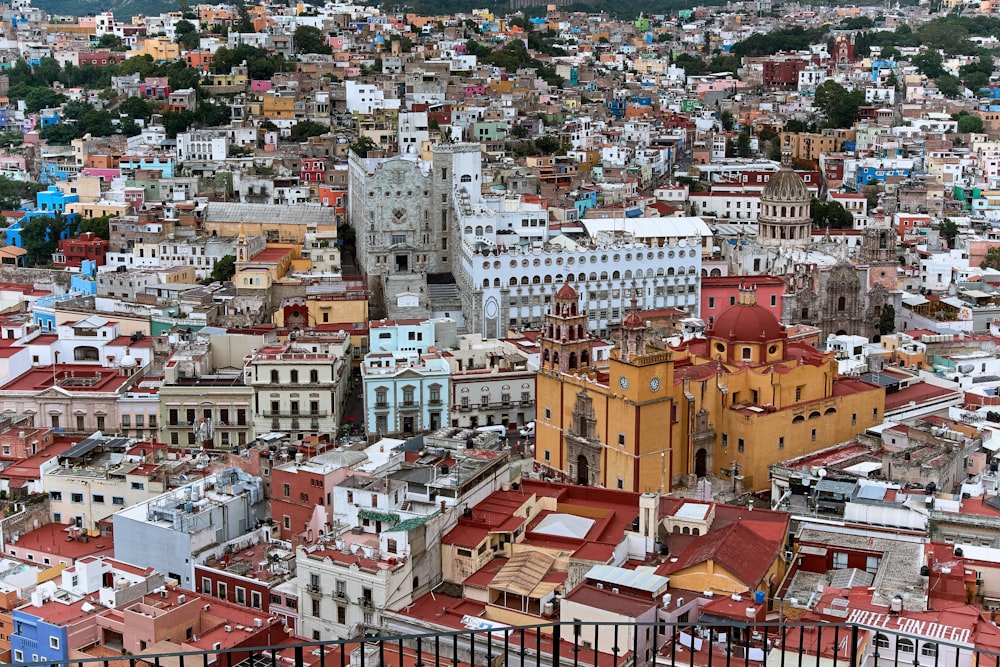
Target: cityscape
617	334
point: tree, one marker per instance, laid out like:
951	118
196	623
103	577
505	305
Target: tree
992	260
968	123
948	231
175	122
223	270
309	39
12	192
59	134
929	63
948	85
41	98
728	121
136	107
830	214
98	226
547	145
40	238
743	144
363	146
307	128
109	41
838	105
887	320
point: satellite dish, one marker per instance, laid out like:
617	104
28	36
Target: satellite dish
821	473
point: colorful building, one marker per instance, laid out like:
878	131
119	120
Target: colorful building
736	401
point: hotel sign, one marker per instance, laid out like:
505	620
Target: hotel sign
910	626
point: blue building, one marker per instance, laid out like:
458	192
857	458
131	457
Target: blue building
41	631
53	200
405	392
867	175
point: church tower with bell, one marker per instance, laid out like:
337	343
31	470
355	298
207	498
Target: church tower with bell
566	341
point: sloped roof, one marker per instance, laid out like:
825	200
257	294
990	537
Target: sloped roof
523	573
745	548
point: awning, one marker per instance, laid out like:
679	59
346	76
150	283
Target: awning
384	517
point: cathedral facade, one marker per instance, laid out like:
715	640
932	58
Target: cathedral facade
654	417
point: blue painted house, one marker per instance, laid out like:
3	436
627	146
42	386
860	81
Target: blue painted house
42	632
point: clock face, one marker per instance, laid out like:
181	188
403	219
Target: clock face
654	384
623	382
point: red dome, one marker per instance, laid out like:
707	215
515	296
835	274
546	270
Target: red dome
566	292
747	323
633	321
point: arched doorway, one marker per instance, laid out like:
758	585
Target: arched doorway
582	470
701	463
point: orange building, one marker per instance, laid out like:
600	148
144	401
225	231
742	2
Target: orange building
732	403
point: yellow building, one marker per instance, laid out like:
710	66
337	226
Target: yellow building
279	107
810	145
96	209
732	403
160	48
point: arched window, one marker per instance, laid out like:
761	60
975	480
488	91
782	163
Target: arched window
86	353
881	642
830	411
798	419
814	415
294	377
904	645
842	303
928	649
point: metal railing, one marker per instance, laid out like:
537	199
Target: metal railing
721	643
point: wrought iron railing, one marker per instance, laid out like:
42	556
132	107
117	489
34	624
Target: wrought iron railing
888	641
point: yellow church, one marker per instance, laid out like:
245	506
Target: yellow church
652	417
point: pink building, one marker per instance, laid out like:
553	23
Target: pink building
720	292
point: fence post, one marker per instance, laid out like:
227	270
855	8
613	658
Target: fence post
854	646
556	644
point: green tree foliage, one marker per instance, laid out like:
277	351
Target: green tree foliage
838	105
948	231
309	39
929	63
948	85
727	120
363	146
136	107
887	320
260	63
992	260
969	123
59	135
307	128
109	41
223	270
830	214
514	56
40	238
99	226
787	39
12	192
547	145
187	34
976	75
743	144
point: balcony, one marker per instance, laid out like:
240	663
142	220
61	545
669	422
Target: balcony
294	414
314	589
